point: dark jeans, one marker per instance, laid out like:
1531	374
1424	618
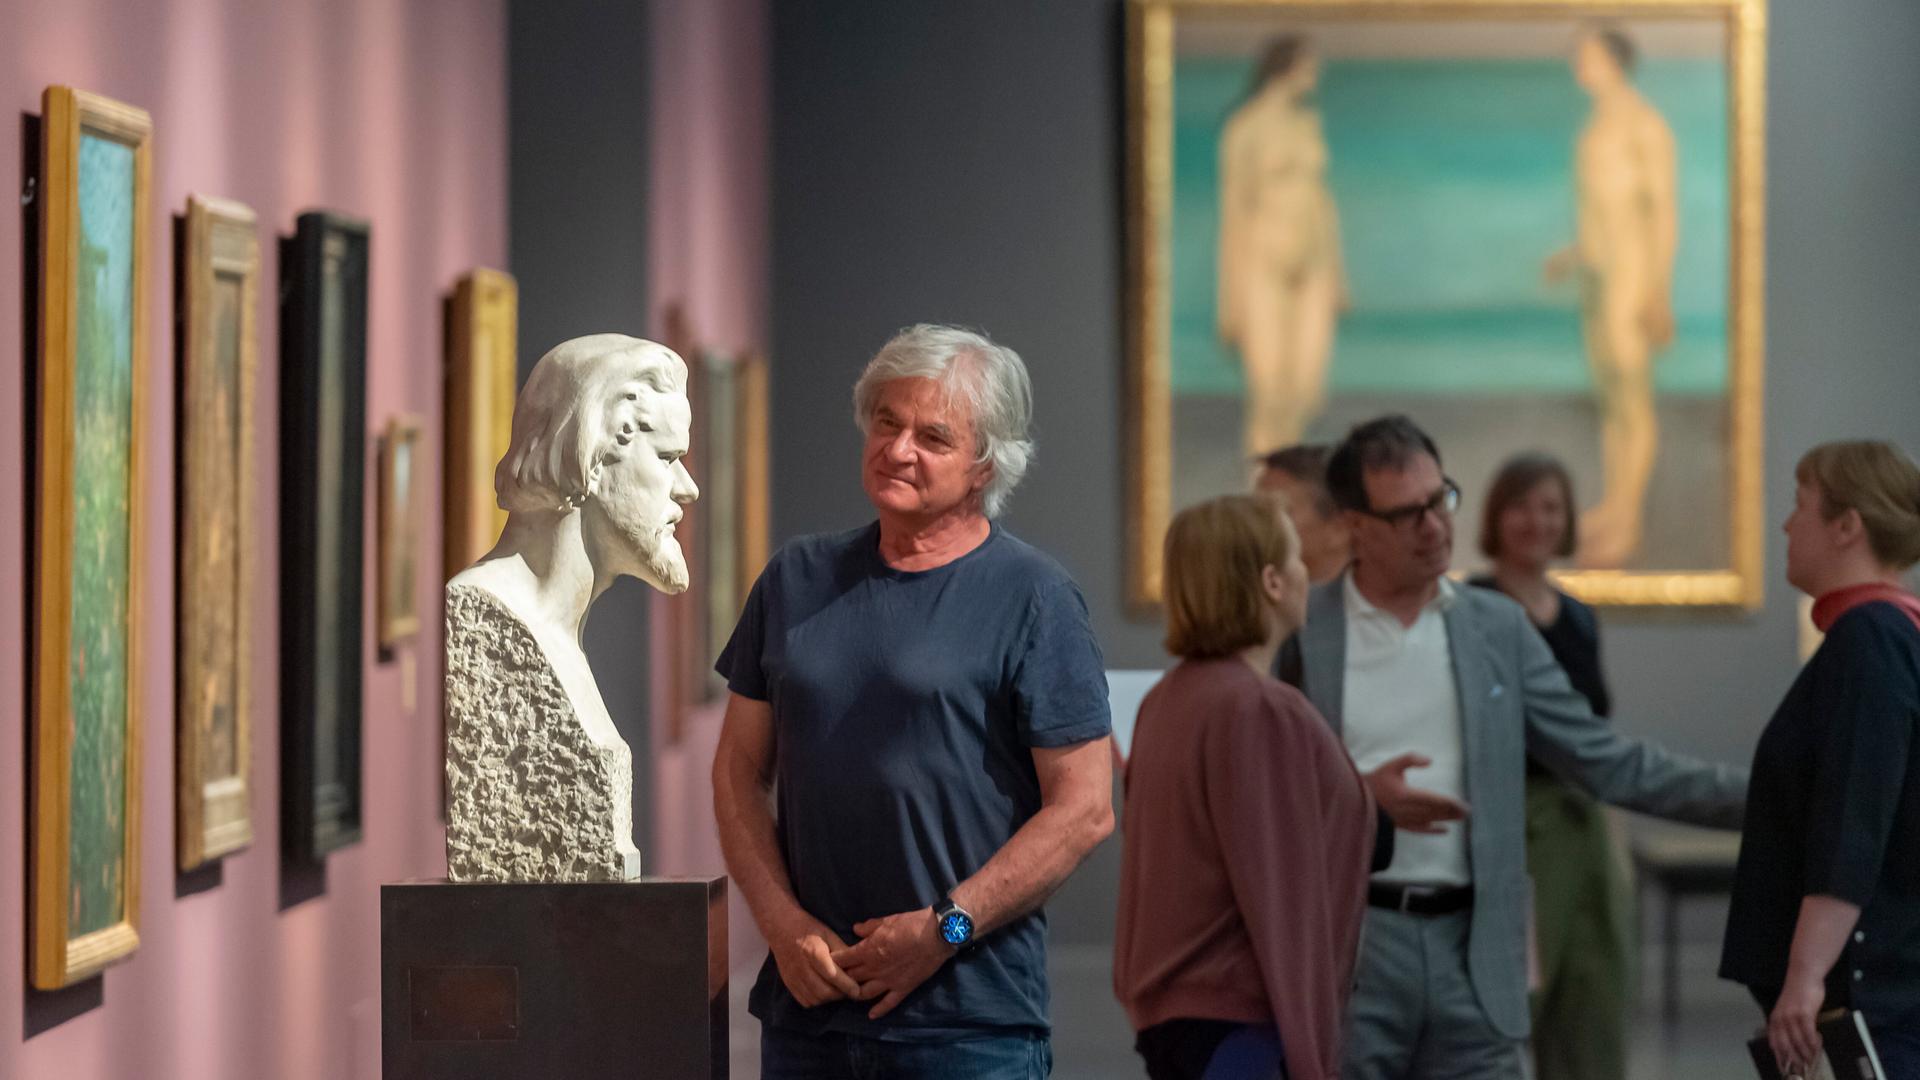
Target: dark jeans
787	1055
1212	1050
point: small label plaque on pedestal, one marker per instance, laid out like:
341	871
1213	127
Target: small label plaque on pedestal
581	980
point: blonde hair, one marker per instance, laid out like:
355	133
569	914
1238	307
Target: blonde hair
1876	480
1215	553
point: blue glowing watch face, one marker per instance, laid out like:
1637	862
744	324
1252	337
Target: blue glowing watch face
956	928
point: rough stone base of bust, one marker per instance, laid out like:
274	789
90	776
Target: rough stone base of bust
533	797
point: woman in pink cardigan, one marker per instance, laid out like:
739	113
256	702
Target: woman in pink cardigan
1248	831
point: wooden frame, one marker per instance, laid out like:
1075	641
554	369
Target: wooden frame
218	297
744	551
76	929
323	433
688	684
399	546
482	375
725	535
756	476
1151	35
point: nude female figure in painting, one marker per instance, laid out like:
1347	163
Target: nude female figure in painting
1281	283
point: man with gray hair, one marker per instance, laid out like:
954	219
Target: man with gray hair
914	754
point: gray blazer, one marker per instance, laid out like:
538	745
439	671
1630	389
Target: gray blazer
1515	701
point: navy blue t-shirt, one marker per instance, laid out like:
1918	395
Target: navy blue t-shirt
906	707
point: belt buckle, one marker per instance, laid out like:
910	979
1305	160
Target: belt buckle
1408	894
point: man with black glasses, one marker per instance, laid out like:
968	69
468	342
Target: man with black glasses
1440	693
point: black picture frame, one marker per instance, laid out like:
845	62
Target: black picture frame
323	436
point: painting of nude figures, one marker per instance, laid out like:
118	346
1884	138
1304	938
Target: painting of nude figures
1530	226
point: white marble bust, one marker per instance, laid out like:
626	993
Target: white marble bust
540	781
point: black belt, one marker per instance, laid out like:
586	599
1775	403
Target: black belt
1421	900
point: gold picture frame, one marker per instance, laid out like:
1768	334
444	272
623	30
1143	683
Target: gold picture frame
95	169
482	375
734	530
1733	577
726	535
219	304
756	476
399	541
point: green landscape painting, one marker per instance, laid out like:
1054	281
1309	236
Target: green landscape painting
102	507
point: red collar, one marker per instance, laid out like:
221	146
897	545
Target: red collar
1828	609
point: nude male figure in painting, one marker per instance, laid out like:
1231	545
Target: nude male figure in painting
1623	256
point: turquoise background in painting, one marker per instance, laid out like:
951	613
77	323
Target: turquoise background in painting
1454	181
102	475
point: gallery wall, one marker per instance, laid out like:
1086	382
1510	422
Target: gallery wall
963	162
392	112
639	141
579	155
707	248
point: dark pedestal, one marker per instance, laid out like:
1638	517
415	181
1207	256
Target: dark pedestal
583	981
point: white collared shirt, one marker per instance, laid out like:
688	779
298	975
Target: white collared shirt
1399	698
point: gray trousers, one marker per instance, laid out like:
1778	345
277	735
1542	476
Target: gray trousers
1414	1015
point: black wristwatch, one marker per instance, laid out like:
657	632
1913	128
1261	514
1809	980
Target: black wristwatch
956	926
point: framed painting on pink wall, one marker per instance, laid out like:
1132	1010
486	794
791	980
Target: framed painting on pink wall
399	531
482	374
218	297
323	437
726	532
85	773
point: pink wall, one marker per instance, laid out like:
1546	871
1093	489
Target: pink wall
707	251
391	111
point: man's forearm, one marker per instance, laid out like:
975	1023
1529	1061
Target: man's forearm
743	812
1586	751
1034	862
1651	780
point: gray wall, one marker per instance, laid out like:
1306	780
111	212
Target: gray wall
955	163
963	162
577	196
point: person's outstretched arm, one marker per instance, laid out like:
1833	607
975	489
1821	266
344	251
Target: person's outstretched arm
1564	735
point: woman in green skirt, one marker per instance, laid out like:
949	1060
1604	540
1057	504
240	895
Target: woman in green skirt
1581	934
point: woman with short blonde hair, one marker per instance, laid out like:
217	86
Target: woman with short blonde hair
1877	481
1214	551
1826	901
1248	831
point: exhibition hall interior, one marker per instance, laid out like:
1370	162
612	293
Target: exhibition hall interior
961	538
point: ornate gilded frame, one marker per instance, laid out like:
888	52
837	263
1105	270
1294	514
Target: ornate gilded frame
482	374
1150	60
399	538
725	536
737	387
57	957
216	549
